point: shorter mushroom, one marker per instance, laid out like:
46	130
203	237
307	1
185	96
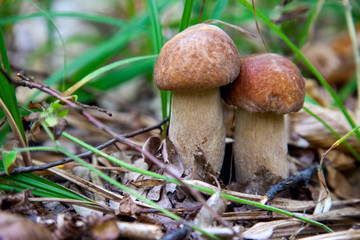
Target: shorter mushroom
268	87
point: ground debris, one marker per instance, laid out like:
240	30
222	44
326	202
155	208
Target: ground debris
15	227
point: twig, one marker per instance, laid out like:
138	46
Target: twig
26	78
179	234
287	183
85	154
258	27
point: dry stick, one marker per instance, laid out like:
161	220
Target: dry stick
26	78
258	27
84	154
287	183
101	126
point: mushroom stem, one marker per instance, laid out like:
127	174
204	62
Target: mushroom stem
260	140
197	122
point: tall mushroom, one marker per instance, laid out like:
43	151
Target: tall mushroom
268	87
193	65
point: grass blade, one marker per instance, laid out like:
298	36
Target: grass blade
156	26
7	93
354	41
103	70
309	24
8	102
39	185
158	43
219	9
186	15
88	17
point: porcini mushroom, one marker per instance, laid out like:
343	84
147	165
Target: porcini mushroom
193	65
268	86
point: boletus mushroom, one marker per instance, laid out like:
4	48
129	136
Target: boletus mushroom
268	86
193	65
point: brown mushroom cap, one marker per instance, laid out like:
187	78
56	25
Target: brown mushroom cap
267	83
202	56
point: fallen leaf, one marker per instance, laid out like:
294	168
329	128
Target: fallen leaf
217	203
14	227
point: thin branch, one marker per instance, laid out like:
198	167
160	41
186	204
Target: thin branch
303	176
258	27
26	78
84	154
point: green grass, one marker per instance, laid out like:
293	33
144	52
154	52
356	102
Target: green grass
7	93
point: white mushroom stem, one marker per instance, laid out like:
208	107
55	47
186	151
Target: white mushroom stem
197	122
260	140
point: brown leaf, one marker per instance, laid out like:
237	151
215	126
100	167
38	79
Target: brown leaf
69	227
339	183
171	157
217	203
147	183
152	146
127	206
18	228
105	228
316	133
333	58
154	193
17	203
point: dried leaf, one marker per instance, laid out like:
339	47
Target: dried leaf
171	157
152	146
339	160
17	228
339	183
17	203
69	227
217	203
147	183
324	202
316	133
262	231
154	193
105	228
127	206
333	58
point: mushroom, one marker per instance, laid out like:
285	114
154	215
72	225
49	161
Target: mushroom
193	65
268	86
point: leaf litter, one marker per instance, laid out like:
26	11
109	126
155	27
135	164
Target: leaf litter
115	214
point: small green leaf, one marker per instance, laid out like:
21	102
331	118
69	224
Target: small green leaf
62	113
8	159
58	109
51	120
